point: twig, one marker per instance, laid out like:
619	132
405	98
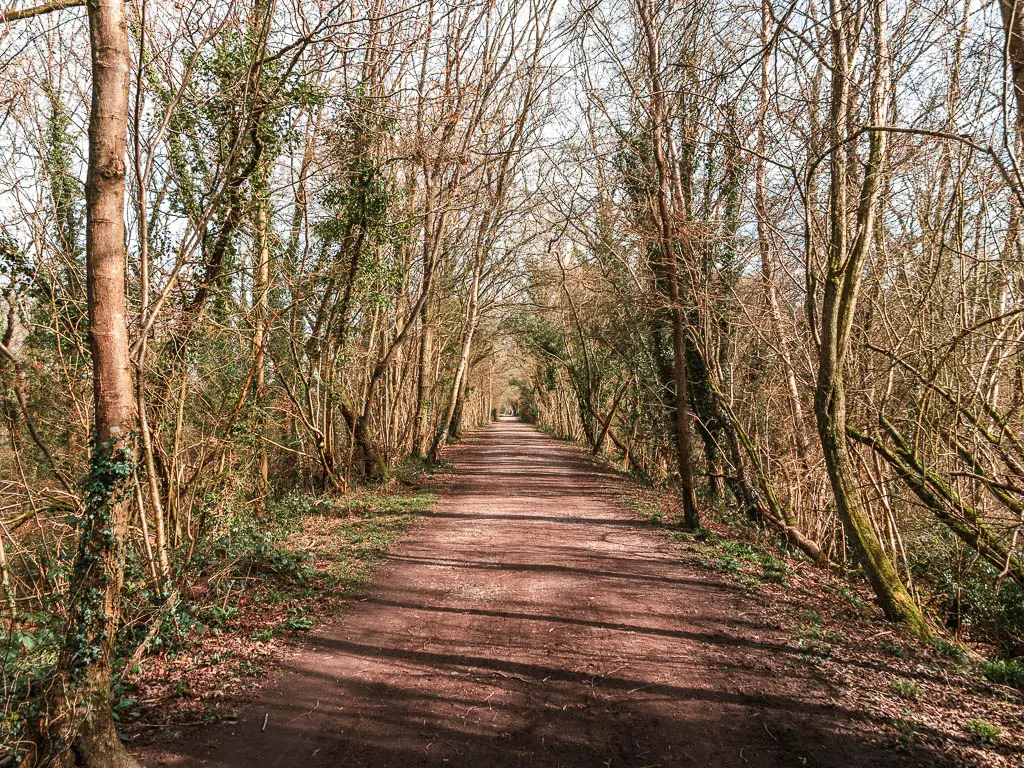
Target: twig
306	714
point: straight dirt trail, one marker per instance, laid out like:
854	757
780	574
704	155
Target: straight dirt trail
527	620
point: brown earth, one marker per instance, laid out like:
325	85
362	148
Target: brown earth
528	620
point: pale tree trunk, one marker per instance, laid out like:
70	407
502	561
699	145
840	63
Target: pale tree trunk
78	727
422	408
489	408
421	414
262	13
369	455
472	315
841	289
163	569
261	312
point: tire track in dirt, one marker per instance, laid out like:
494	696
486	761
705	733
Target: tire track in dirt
527	620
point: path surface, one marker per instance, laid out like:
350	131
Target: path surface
528	621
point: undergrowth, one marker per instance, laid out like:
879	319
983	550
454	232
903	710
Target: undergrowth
253	580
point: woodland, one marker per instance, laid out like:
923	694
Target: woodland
764	254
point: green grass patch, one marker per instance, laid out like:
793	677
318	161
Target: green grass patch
751	564
906	689
363	531
984	731
895	649
907	729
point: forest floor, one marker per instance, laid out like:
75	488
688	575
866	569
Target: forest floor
544	612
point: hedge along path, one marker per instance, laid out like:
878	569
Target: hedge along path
528	620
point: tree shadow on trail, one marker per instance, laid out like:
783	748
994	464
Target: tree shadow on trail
489	565
481	712
567	519
544	630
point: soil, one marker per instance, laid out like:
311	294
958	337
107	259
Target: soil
530	620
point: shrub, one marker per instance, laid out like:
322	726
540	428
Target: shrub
1005	671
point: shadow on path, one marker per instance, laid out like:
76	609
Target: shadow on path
528	621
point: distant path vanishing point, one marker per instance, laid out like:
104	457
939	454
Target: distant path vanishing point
528	620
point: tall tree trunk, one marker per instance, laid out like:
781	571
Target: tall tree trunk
844	270
709	424
78	727
1013	25
261	313
421	412
669	259
472	315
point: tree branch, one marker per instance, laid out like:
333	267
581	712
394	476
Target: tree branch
11	14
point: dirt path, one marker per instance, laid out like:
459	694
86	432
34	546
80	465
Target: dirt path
528	621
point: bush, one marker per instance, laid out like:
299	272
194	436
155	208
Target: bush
970	597
1005	671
